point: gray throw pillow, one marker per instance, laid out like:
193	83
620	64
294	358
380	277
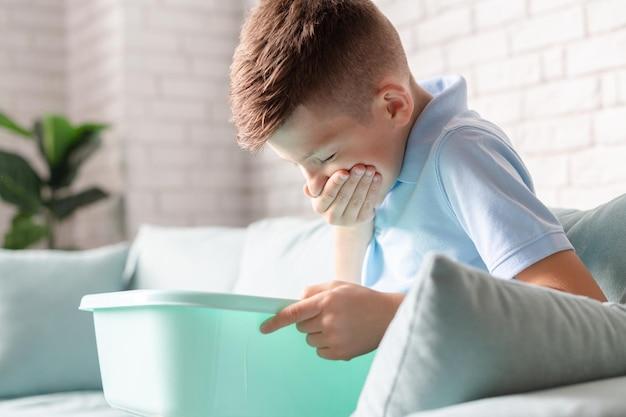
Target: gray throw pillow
599	237
46	343
460	335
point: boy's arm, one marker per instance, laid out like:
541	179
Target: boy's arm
342	318
563	271
350	246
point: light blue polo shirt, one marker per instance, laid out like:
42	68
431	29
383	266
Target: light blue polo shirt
463	191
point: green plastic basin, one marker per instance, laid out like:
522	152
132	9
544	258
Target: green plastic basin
174	353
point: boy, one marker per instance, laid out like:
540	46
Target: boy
326	84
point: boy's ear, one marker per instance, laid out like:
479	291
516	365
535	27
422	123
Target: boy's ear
396	103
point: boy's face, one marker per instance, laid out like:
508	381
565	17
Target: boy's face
321	133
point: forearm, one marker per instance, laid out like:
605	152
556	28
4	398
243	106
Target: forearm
563	271
350	246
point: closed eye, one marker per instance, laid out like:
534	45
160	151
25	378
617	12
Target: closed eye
329	158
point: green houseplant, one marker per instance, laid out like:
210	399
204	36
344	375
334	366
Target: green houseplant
43	202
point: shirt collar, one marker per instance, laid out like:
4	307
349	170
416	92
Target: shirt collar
449	99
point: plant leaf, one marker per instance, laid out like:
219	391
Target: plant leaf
64	207
87	141
82	152
63	174
55	135
66	147
19	183
24	232
89	129
11	125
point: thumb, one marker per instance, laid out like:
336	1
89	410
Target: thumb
306	191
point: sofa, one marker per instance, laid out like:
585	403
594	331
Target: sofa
48	355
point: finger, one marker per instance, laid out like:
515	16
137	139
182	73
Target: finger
301	310
331	189
358	197
344	195
317	288
368	205
327	353
307	191
313	325
317	340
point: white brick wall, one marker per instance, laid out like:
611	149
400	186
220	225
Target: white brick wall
32	74
157	70
94	92
181	163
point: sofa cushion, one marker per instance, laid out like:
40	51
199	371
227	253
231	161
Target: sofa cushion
461	335
46	343
283	255
599	237
61	404
601	398
190	258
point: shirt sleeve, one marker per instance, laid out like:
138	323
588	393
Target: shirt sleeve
491	193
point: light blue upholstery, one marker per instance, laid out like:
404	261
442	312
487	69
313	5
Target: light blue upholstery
46	343
599	237
602	398
461	335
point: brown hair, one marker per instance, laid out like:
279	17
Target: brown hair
292	51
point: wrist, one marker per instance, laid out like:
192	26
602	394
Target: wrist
390	302
394	299
350	247
359	229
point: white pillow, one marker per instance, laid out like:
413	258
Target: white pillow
284	255
190	258
461	335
